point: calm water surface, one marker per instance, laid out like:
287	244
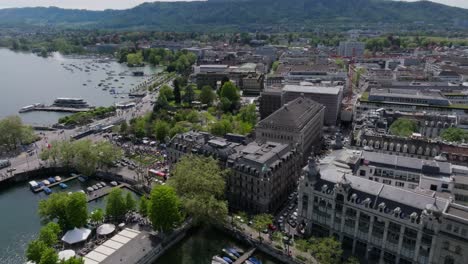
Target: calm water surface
26	79
201	245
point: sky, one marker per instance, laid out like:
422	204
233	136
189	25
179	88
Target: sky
123	4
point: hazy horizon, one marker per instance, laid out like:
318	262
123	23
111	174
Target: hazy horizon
124	4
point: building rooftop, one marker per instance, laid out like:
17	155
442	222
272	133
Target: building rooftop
330	90
296	113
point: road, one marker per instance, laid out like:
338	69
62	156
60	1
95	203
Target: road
25	162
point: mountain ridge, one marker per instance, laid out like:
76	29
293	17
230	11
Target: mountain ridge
181	16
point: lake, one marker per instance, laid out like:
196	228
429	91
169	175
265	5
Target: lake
26	78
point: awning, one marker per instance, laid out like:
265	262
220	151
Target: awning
105	229
76	235
66	254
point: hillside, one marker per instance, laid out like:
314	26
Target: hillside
184	16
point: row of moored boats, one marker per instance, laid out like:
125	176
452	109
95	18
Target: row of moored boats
230	255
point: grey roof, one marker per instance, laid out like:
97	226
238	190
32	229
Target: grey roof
296	113
405	162
268	153
332	90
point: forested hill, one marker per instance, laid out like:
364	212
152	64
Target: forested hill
184	16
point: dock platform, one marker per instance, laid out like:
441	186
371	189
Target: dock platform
244	257
104	191
57	109
56	183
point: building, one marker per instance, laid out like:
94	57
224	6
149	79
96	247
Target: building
380	223
270	100
298	122
351	49
261	174
252	84
328	96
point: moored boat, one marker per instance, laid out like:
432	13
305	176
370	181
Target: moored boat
229	254
47	190
46	182
63	185
58	178
219	260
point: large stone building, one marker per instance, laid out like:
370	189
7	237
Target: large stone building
298	122
351	49
380	223
261	175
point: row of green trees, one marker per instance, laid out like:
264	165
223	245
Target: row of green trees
83	118
14	133
84	155
178	61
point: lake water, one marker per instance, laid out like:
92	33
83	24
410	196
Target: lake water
19	221
26	79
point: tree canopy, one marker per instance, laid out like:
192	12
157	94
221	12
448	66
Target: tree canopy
403	127
14	133
164	208
200	183
326	250
70	210
454	134
116	206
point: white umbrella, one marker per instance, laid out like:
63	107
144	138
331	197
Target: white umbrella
76	235
66	254
105	229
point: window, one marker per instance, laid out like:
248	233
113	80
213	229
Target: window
449	227
444	186
399	184
387	181
433	187
362	173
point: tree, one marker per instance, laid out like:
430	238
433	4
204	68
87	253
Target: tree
454	134
274	66
77	209
35	250
189	95
130	202
161	130
143	206
200	183
134	59
302	245
161	104
177	96
221	127
97	216
248	114
164	208
49	234
49	256
230	92
261	222
14	133
124	128
326	250
352	260
207	95
403	127
116	207
167	91
73	260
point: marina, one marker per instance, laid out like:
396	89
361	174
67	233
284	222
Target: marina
36	187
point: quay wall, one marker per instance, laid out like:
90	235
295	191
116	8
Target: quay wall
167	243
265	248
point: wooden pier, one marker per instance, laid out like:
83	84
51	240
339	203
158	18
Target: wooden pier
104	191
55	183
244	257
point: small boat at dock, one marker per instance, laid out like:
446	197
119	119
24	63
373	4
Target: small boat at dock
228	260
114	183
46	182
229	254
82	178
234	252
255	260
51	180
58	178
47	190
63	185
103	184
94	187
90	189
220	260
